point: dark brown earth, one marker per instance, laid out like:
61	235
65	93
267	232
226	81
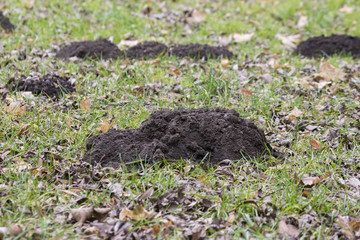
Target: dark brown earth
50	85
5	23
146	50
211	135
99	49
200	51
326	46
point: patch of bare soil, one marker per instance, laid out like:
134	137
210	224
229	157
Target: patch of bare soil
50	85
326	46
200	51
5	23
146	50
208	135
99	49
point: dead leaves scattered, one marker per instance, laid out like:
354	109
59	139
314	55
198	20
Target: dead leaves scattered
288	229
196	17
83	214
315	144
139	213
289	41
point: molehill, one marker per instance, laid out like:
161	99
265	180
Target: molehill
209	135
322	46
50	85
104	49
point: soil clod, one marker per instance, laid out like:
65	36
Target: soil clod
146	50
209	135
5	23
200	51
322	46
99	49
50	85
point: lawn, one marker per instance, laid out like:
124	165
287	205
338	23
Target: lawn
309	109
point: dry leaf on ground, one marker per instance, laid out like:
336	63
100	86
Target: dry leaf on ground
105	126
139	213
294	114
196	17
328	72
315	144
15	108
288	229
237	37
289	41
225	63
346	9
303	22
311	181
85	104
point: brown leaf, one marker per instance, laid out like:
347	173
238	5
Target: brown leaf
139	213
15	108
328	73
303	22
15	230
288	229
148	193
196	17
289	41
85	104
225	63
156	229
294	114
81	214
315	144
311	181
237	37
105	126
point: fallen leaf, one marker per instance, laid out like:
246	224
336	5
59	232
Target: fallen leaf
354	182
16	230
139	213
237	37
148	193
156	229
105	126
311	181
288	229
127	43
196	17
289	41
294	114
15	108
315	144
85	104
225	63
303	22
346	9
81	214
328	73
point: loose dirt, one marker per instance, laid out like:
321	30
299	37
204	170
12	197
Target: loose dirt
50	85
326	46
211	135
200	51
99	49
146	50
5	23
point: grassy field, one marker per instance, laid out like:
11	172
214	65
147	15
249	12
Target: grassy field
46	192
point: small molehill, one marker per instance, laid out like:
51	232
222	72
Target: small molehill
200	51
146	50
322	46
5	23
99	49
209	135
50	85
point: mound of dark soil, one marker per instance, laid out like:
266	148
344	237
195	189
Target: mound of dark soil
211	135
50	85
200	51
101	48
5	23
325	46
146	50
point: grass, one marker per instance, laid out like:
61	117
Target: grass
41	178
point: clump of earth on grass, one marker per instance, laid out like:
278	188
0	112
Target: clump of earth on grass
5	23
200	51
50	85
326	46
146	50
98	49
208	135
